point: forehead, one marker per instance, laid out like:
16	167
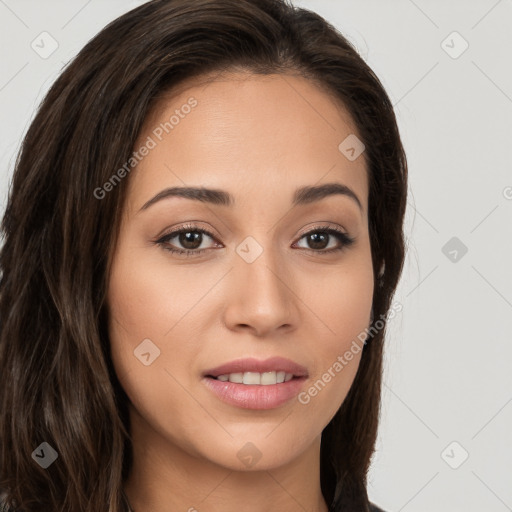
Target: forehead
252	134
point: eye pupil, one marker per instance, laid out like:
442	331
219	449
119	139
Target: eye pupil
316	237
186	240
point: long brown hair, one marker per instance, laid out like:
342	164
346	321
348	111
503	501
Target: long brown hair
58	383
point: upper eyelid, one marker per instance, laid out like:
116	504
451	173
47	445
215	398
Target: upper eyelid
186	229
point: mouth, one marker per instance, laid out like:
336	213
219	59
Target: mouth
254	384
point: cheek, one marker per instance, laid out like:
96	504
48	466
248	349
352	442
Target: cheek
150	309
138	315
337	361
341	303
341	310
147	296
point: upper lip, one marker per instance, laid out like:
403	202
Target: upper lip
274	364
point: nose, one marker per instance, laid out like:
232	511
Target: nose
261	297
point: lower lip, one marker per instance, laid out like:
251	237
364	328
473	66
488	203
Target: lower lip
254	396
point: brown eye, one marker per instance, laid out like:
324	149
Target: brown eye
189	238
319	238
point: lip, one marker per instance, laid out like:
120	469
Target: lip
255	396
274	364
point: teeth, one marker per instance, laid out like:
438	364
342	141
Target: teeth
252	378
255	378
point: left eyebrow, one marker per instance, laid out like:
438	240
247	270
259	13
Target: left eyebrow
302	196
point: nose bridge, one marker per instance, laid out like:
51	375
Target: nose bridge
261	296
260	268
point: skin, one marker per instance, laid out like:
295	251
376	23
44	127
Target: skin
259	138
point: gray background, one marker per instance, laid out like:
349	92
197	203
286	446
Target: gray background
449	353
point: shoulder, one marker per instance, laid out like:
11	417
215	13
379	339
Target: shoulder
374	508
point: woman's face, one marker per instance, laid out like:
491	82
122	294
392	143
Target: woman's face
266	282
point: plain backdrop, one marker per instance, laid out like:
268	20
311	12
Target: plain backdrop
445	441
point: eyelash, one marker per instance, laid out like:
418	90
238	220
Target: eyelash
346	240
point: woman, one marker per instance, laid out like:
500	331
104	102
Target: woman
202	240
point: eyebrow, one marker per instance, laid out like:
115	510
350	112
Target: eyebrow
302	196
